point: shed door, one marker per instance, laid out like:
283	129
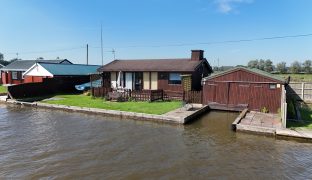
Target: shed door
210	92
129	81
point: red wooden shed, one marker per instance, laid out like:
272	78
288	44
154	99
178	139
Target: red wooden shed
241	87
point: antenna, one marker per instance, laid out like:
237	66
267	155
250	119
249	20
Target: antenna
102	43
17	56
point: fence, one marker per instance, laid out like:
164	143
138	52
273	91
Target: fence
150	95
100	91
47	87
283	107
173	95
147	95
143	95
193	96
300	90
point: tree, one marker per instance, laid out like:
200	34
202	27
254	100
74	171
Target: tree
307	66
253	64
14	59
2	61
261	64
268	66
295	67
281	67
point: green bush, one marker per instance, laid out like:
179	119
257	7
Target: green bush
265	110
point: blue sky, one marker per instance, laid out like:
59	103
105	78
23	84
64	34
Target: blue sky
58	28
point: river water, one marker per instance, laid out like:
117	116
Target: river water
36	143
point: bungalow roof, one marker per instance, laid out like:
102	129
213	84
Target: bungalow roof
153	65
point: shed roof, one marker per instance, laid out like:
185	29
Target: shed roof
167	65
23	65
253	70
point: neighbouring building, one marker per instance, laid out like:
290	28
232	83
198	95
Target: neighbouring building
43	70
243	88
12	74
152	74
52	78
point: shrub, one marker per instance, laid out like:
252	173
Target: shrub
265	110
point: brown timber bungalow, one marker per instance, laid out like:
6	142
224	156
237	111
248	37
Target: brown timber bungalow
170	75
240	88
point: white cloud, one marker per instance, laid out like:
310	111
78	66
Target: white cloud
227	6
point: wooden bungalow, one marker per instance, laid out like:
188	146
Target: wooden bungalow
240	87
12	74
175	75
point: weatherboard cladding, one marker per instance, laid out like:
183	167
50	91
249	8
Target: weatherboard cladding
152	65
69	69
23	65
243	86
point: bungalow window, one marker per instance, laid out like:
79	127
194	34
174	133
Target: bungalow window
174	78
272	86
14	75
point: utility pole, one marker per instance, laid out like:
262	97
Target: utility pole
87	54
114	53
102	43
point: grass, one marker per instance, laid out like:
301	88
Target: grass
297	77
3	89
306	115
158	107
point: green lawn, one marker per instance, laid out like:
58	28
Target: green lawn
3	89
158	107
297	77
306	115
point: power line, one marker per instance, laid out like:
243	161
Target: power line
164	45
215	42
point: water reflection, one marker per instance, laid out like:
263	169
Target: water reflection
39	143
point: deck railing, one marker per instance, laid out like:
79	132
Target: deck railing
150	95
142	95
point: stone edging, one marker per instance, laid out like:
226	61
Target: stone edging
115	113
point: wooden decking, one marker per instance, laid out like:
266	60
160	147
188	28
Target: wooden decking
227	107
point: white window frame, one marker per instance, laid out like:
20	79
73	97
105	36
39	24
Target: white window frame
14	75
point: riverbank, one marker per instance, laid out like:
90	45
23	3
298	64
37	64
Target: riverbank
178	116
268	124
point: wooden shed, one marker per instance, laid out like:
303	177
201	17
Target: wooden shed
241	87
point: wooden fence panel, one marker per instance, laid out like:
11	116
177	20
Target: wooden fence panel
100	91
300	90
193	97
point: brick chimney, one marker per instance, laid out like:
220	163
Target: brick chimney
197	55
